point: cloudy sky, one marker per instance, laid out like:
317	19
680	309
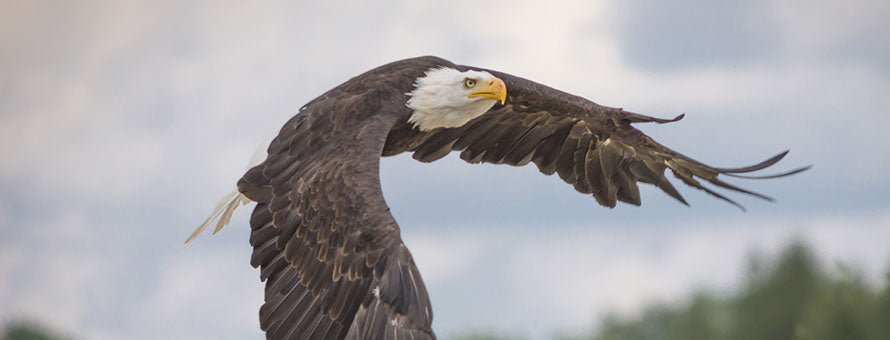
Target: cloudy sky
122	124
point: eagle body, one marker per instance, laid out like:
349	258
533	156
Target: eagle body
326	244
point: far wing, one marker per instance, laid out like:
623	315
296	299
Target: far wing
592	147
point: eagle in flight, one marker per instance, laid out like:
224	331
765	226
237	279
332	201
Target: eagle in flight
326	244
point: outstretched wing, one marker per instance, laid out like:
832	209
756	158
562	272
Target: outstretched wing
592	147
330	252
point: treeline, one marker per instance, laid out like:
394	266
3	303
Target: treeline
793	298
790	298
28	330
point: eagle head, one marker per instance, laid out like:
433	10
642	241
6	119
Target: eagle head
446	97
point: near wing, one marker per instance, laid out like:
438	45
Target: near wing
592	147
330	252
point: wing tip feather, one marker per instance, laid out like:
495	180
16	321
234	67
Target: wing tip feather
734	172
759	166
778	175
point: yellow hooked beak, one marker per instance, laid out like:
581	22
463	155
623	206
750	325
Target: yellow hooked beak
495	89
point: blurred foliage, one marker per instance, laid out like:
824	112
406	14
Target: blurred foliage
26	330
791	299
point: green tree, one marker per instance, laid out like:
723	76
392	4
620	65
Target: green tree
791	299
24	330
882	316
770	306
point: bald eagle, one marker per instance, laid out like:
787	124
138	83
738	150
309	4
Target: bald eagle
326	244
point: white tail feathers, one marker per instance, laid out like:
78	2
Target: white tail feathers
226	207
229	202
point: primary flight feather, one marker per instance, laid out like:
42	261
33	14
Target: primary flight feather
326	244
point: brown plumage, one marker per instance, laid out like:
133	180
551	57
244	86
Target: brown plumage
329	250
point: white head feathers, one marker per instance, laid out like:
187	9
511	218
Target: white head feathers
446	97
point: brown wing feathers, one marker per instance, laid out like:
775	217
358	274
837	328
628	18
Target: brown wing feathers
323	238
592	147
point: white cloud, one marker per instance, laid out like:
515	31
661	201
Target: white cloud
55	283
201	294
444	255
817	26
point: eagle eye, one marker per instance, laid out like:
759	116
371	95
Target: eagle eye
469	83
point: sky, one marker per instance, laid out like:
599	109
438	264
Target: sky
121	124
